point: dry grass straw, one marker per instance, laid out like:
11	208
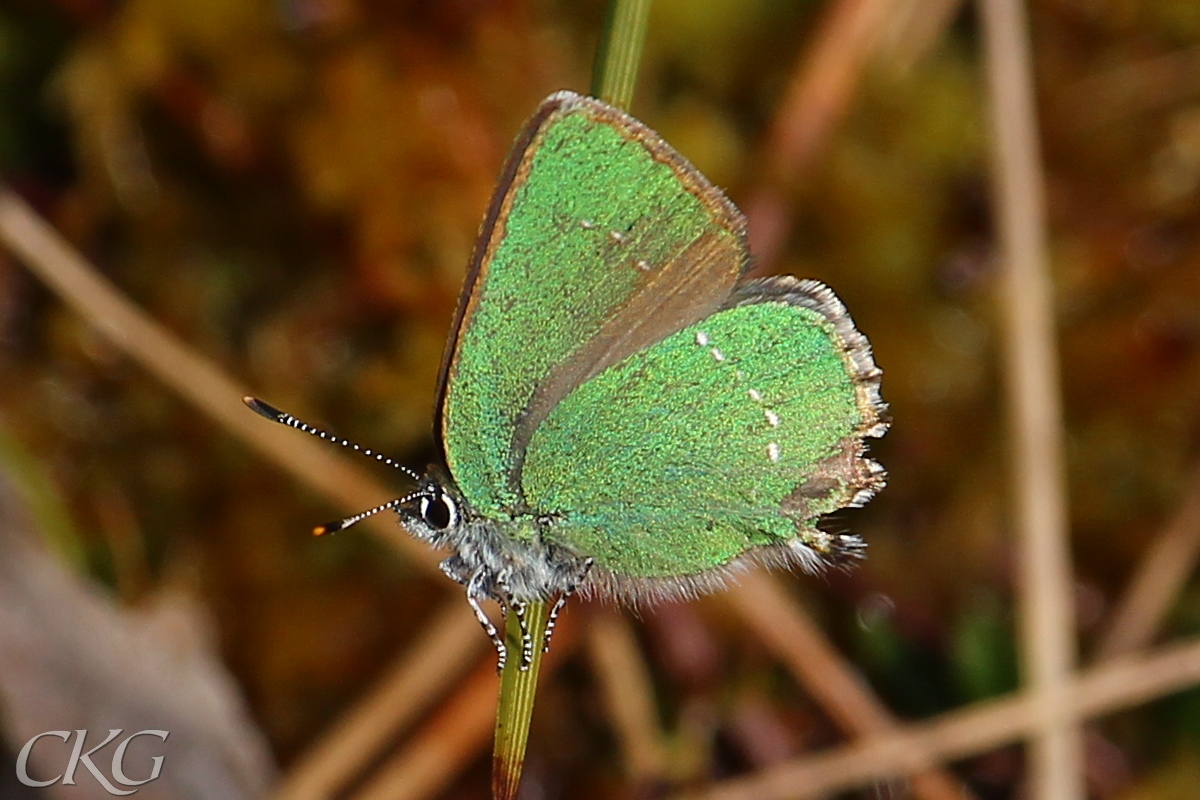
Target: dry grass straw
983	726
459	730
628	693
1046	617
423	673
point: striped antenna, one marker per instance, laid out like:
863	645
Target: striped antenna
275	415
341	525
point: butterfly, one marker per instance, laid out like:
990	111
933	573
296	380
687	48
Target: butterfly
619	411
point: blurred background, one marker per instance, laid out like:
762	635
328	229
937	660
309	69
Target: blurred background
293	188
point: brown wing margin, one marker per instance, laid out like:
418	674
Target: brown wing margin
868	477
856	350
504	186
676	294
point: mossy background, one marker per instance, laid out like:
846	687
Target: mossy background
294	186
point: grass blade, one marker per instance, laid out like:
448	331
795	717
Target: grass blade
517	689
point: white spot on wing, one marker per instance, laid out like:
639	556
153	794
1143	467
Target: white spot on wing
701	338
772	417
644	266
718	355
773	452
617	237
587	224
755	395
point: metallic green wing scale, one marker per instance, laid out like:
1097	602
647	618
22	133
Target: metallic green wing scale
600	240
725	441
617	414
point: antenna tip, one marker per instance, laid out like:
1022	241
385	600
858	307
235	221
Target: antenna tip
327	529
262	409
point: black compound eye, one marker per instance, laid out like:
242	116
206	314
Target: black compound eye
439	512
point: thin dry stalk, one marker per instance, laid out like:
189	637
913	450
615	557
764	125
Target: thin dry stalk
359	736
795	639
825	84
1047	629
1123	683
458	733
192	376
912	29
1159	579
818	97
451	640
203	384
815	101
628	694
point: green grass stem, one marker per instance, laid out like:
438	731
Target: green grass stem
515	710
614	80
620	51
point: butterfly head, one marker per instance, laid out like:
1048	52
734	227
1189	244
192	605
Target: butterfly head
435	511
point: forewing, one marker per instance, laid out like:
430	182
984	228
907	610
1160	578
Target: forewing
601	240
733	434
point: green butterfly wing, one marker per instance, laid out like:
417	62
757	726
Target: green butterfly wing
600	241
732	435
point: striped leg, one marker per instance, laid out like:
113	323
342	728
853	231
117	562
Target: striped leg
518	608
474	593
561	603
